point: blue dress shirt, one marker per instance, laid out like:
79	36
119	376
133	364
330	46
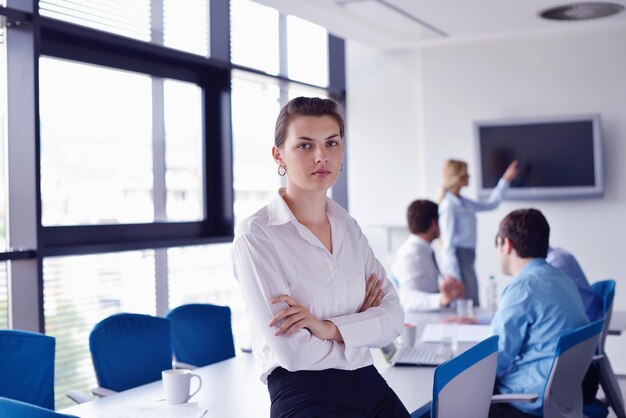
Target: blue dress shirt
457	221
535	309
565	261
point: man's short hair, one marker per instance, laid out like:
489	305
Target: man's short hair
528	231
420	215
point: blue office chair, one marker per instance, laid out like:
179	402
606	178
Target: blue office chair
463	386
27	367
605	290
10	408
563	396
130	350
201	334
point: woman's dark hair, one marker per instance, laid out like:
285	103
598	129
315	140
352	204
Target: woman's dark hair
528	231
305	106
420	215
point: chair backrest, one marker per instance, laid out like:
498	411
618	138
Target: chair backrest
463	385
563	395
605	291
27	367
201	334
10	408
130	350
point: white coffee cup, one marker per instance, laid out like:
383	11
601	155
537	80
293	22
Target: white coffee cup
409	334
176	384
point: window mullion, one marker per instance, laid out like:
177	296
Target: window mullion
23	221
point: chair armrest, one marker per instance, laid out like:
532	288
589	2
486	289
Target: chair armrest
514	397
423	411
597	357
78	396
181	365
102	392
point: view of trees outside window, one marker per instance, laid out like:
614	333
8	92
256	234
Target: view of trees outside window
204	274
80	291
96	144
97	150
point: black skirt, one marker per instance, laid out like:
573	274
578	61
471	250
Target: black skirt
333	393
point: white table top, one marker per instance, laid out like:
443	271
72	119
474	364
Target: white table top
232	389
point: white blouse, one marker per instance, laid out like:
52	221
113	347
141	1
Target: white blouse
274	254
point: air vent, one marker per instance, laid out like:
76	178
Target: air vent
582	11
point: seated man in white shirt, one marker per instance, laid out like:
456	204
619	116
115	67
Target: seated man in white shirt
415	267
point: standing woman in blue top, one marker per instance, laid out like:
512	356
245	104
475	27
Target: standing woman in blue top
457	222
317	297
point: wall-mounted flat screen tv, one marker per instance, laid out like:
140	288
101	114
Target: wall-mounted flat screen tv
559	157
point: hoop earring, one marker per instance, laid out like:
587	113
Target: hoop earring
283	172
341	169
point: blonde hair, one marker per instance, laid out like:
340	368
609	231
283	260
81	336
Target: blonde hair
452	172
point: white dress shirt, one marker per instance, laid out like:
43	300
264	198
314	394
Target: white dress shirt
416	272
457	222
274	254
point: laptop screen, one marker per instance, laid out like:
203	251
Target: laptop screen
389	350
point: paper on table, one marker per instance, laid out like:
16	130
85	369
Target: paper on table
152	410
465	333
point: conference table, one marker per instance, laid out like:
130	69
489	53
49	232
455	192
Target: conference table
232	388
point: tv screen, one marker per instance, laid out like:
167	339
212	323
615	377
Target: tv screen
558	157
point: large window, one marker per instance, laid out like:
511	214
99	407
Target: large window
79	291
97	150
96	144
139	132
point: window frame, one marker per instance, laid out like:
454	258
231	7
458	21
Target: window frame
84	45
30	241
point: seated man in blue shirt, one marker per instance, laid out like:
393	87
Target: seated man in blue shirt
535	309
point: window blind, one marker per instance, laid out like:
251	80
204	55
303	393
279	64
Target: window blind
79	291
129	18
184	25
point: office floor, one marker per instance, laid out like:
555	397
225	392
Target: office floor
622	384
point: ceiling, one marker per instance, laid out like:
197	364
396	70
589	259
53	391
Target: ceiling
402	24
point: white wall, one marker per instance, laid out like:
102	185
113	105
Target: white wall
459	82
383	130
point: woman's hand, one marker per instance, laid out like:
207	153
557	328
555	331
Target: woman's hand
511	171
296	317
373	293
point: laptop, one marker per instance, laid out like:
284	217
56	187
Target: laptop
420	355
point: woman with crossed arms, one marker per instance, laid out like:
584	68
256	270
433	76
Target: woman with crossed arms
317	297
